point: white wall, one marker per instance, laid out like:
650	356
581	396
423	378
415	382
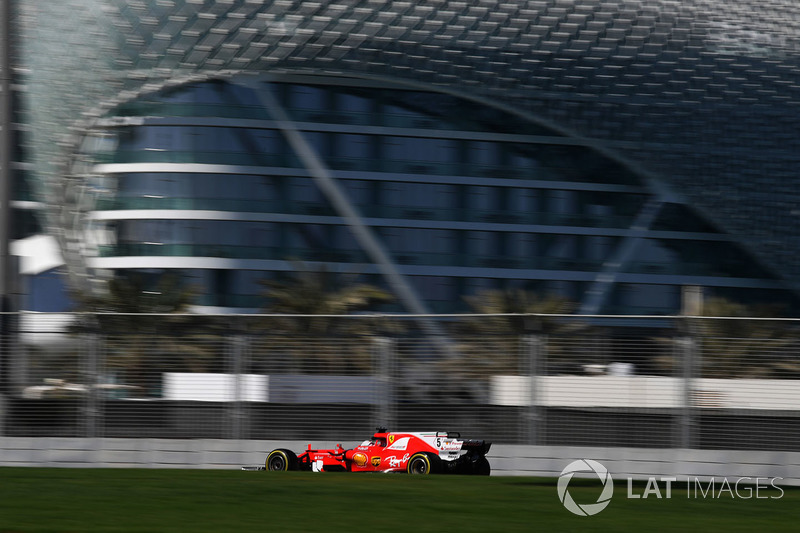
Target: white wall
207	387
279	388
645	391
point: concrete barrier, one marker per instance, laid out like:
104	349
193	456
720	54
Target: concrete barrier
508	460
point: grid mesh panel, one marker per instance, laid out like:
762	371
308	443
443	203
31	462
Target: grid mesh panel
676	383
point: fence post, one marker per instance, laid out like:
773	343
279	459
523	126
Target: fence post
687	352
92	405
384	400
14	363
237	420
533	352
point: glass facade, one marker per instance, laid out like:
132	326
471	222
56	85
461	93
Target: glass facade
460	201
611	151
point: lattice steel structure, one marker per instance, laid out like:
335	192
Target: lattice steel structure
695	99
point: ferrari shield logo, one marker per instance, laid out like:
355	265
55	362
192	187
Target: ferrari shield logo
391	439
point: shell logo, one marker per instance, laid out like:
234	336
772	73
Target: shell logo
360	459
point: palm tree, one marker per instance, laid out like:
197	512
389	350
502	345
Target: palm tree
744	342
321	293
327	336
494	344
736	340
523	310
146	330
129	303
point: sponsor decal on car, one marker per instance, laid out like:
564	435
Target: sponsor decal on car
376	461
396	462
400	444
451	446
360	459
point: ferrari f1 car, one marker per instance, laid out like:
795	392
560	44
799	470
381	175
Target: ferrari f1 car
437	452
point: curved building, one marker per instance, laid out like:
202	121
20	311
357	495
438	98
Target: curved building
612	152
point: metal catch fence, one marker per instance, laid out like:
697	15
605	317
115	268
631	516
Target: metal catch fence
658	382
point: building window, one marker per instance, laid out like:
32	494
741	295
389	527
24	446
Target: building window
308	97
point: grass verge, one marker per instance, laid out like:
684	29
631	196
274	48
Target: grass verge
128	500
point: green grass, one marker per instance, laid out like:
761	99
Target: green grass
127	500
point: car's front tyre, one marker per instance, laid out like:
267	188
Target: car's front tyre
281	460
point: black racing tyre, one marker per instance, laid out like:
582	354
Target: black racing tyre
281	460
482	467
423	464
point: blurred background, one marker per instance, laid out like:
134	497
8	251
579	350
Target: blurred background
278	220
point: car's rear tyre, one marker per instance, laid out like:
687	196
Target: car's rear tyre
482	467
281	460
423	464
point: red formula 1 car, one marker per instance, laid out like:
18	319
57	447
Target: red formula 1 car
437	452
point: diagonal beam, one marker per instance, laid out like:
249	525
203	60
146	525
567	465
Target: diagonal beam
323	178
597	294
